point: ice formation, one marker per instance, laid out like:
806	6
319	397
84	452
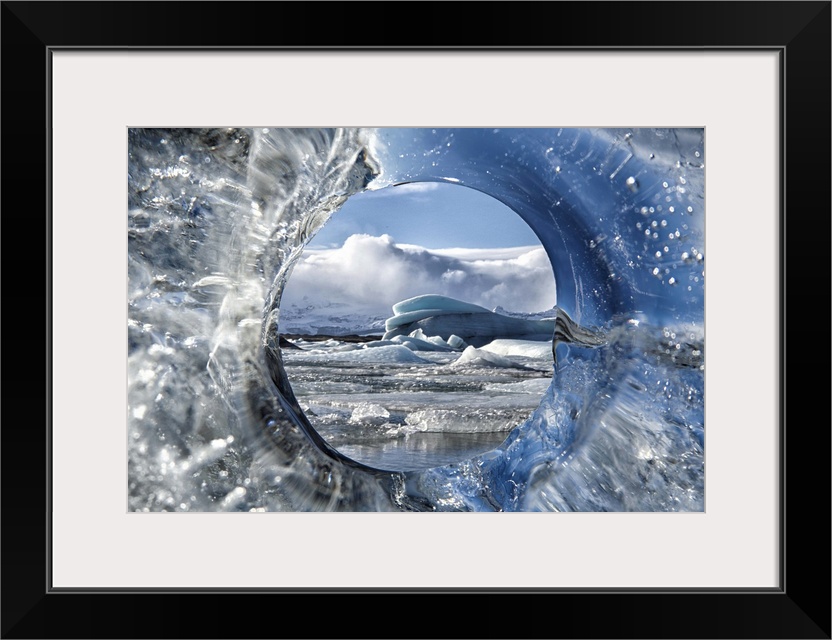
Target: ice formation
444	317
482	358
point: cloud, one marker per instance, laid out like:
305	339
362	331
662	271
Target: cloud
409	188
368	274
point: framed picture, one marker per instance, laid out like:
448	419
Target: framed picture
744	88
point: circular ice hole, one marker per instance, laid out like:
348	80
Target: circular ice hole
397	381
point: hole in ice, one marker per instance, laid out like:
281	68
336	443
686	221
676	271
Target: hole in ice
416	327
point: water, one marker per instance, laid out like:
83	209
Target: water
217	219
412	415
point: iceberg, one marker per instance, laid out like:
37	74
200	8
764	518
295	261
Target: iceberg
437	302
527	348
441	316
474	357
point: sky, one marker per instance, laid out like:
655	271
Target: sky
433	215
386	246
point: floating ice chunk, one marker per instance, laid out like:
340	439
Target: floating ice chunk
473	357
331	342
456	421
536	386
528	348
390	353
347	347
369	413
415	344
376	343
420	335
456	342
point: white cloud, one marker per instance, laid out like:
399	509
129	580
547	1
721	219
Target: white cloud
409	188
371	273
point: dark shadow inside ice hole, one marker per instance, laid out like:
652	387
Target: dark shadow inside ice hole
415	328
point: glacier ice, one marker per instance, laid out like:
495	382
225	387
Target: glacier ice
436	302
528	348
443	317
482	358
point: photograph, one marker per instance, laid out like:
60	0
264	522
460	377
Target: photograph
385	319
415	308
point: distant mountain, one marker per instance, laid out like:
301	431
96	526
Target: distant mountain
328	318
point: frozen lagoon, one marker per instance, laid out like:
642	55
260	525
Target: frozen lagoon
391	407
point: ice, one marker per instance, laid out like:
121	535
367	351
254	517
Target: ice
482	358
456	421
442	317
528	348
435	302
536	387
403	319
417	344
621	429
420	335
369	413
386	354
456	342
418	341
392	354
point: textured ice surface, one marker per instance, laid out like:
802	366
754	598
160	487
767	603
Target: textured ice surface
443	317
539	349
473	357
430	304
474	328
381	354
415	344
369	413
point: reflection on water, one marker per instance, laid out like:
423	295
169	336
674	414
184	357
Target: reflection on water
394	409
421	450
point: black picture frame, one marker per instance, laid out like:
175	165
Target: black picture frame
798	608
